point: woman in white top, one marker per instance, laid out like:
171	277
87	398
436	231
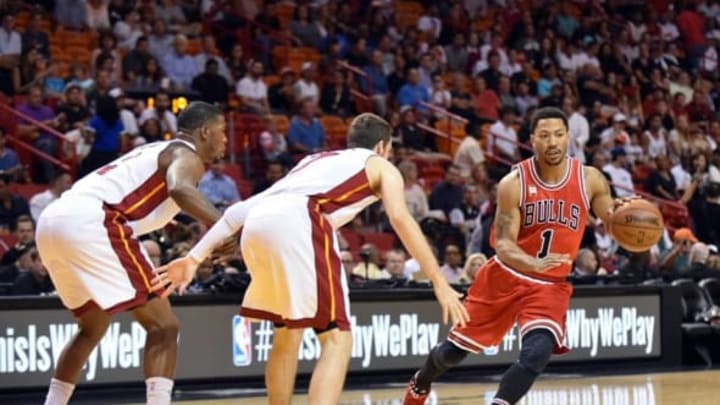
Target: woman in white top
414	194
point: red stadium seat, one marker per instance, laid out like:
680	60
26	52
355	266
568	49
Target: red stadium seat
353	239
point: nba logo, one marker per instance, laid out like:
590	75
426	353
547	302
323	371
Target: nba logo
242	341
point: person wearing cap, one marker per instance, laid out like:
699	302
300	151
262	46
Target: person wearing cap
676	261
306	87
615	134
619	175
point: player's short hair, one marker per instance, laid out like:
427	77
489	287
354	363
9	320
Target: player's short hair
196	115
546	113
366	130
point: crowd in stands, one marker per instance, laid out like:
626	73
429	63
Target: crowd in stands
457	79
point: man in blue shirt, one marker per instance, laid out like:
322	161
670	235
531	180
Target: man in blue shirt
180	67
376	83
218	187
412	92
9	162
305	134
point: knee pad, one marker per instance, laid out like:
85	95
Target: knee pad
446	355
537	347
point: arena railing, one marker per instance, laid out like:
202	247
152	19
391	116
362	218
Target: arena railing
64	145
362	99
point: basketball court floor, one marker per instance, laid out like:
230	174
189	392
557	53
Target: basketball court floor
696	387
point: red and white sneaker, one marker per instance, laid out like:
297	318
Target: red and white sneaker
414	396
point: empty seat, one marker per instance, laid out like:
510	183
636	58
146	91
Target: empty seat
382	240
711	286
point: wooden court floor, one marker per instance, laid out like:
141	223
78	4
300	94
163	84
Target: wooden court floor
699	388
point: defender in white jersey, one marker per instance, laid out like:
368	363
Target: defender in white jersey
87	239
289	245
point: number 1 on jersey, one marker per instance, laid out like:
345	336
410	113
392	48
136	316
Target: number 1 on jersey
546	237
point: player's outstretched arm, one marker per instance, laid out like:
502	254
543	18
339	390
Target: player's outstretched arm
600	197
507	227
387	181
178	274
184	170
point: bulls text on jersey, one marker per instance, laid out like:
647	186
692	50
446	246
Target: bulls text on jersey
551	211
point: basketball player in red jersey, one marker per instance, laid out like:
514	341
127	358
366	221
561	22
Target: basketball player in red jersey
290	247
88	241
542	209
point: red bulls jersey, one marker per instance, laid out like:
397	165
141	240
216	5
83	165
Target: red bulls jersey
552	216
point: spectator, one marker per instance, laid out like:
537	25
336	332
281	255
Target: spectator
452	267
206	279
461	102
305	28
586	264
73	109
180	67
305	134
213	87
160	41
505	94
412	136
161	112
439	95
98	17
676	261
376	83
485	101
34	281
654	139
136	60
127	31
415	196
275	171
691	27
695	194
273	143
578	130
72	15
661	182
37	111
469	153
210	51
368	268
151	78
253	92
281	95
306	87
171	13
426	70
154	252
107	57
35	38
397	78
10	165
412	93
616	133
336	98
12	206
394	266
25	236
621	179
56	188
503	140
150	131
219	188
472	265
127	116
457	54
348	264
108	136
448	194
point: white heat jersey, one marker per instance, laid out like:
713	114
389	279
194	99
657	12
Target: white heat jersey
335	183
133	186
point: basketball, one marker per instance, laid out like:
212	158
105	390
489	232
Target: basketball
637	226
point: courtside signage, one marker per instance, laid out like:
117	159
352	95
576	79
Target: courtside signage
215	342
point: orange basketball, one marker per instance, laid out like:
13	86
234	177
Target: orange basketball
637	226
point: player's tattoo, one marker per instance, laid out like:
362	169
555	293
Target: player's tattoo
503	225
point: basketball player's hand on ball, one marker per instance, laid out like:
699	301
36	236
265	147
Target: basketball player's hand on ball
551	261
175	275
452	308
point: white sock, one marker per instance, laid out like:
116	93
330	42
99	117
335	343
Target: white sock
159	390
59	392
